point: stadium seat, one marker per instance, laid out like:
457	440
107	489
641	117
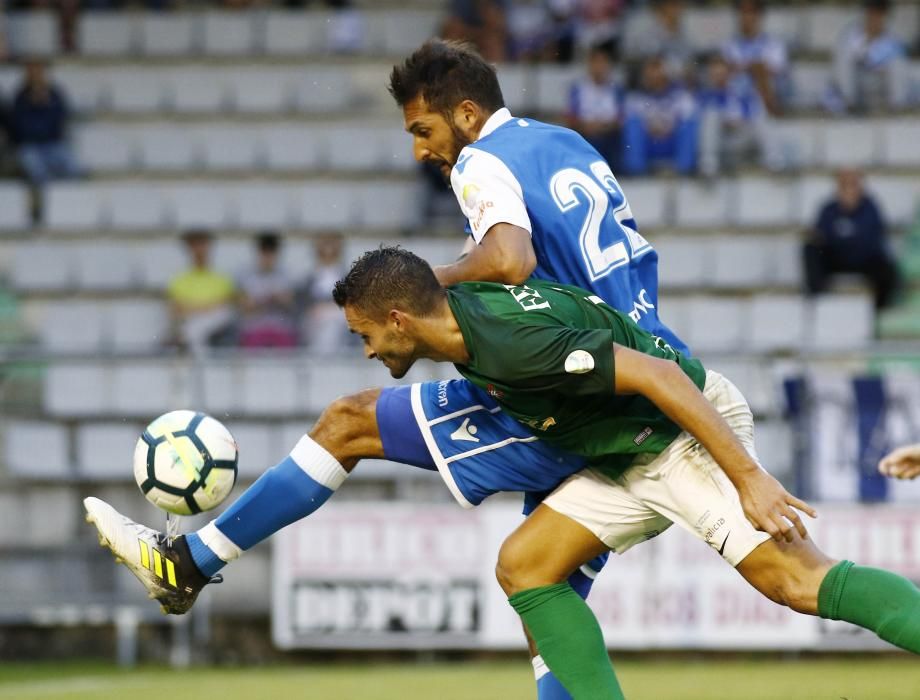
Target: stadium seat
389	205
14	207
136	206
326	206
36	449
106	148
553	84
265	206
785	269
702	205
674	310
77	389
137	325
32	33
87	92
257	444
76	327
147	388
898	197
762	202
851	143
160	262
228	33
823	25
905	18
740	262
841	322
168	34
220	388
233	255
227	147
709	28
41	266
199	90
262	90
75	205
269	388
516	89
293	33
292	147
168	147
105	266
813	193
323	89
777	322
651	202
716	324
799	141
683	261
107	34
25	517
774	443
327	378
104	450
207	205
786	23
136	90
901	144
354	147
397	151
406	30
810	82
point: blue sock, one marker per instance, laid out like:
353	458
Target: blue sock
548	686
287	492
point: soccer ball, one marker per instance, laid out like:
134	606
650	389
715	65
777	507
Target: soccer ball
185	462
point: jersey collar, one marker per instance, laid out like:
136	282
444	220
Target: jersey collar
496	120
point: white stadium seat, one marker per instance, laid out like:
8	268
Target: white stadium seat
257	445
207	205
799	142
36	449
905	18
226	147
233	255
137	325
147	388
105	450
774	443
389	205
136	206
269	388
228	33
553	84
850	143
683	261
106	148
763	201
786	262
290	147
76	389
397	150
824	24
841	322
323	89
740	262
32	33
74	205
73	327
405	30
291	33
786	24
261	205
809	83
814	193
107	34
220	387
160	262
42	266
355	147
168	147
14	207
87	90
901	143
515	85
105	266
168	34
700	205
136	90
709	28
897	196
199	91
716	324
651	202
262	90
324	206
777	322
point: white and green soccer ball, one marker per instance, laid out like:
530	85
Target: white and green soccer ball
185	462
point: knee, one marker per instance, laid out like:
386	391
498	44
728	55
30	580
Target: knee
795	590
348	426
516	570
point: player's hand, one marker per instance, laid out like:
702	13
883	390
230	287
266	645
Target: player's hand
902	463
771	508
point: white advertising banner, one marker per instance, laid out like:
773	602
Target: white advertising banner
387	575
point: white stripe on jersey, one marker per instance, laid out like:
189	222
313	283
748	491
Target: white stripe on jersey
463	412
487	448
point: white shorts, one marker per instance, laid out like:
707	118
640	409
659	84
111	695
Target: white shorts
682	485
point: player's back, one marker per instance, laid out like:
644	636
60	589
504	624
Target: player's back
583	230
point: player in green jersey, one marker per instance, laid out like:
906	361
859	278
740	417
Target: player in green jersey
667	442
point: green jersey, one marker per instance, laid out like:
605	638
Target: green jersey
544	351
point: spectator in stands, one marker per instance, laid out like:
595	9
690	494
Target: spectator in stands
850	236
266	295
596	107
870	65
735	129
201	299
600	24
761	55
324	329
660	33
481	22
38	128
662	124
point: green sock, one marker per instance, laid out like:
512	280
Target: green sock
878	600
569	640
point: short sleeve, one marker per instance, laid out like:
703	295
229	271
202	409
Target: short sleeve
572	361
488	193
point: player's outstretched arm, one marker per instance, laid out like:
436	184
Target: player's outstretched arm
902	463
766	503
505	255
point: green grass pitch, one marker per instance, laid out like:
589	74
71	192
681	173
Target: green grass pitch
853	678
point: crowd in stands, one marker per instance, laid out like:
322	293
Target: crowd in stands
264	305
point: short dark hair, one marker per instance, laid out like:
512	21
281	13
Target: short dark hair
197	234
877	5
268	242
445	73
387	278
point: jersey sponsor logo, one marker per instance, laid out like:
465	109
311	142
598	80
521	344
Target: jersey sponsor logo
641	306
579	362
494	392
529	299
538	424
643	436
465	432
479	213
470	195
713	529
442	393
460	165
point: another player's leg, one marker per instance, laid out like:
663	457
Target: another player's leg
175	571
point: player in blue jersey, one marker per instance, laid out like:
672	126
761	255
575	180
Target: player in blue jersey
540	201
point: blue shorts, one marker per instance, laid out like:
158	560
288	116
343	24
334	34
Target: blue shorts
458	429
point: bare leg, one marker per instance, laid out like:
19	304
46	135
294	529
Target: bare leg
347	429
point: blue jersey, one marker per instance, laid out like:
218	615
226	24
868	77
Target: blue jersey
548	180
